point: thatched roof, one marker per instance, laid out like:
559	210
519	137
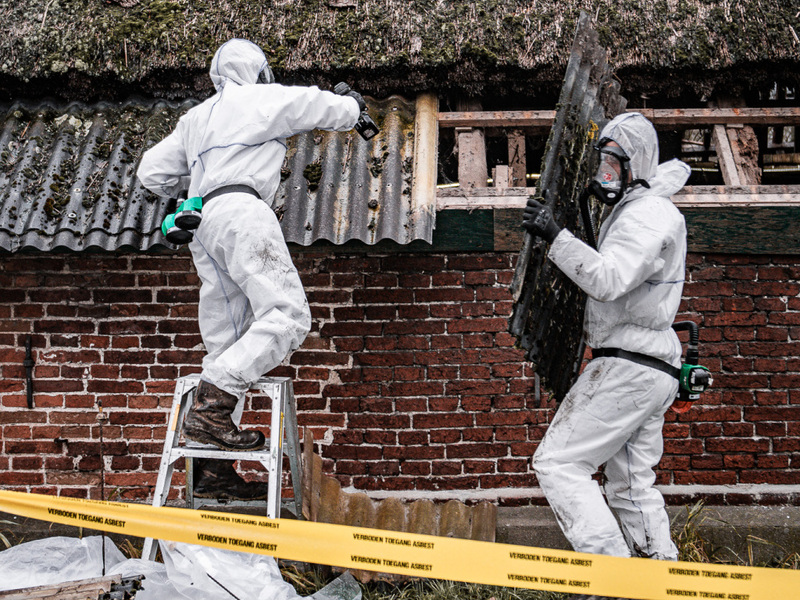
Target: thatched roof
82	49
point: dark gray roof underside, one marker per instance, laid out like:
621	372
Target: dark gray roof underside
68	179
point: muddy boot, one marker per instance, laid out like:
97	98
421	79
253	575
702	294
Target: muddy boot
218	479
209	421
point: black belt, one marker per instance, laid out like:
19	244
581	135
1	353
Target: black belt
642	359
230	189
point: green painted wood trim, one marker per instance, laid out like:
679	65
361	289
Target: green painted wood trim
744	230
723	230
456	231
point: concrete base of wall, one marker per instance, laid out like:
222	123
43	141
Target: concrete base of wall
748	534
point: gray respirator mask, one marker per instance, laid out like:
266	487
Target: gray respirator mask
611	180
266	76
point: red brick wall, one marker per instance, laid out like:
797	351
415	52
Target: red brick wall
408	379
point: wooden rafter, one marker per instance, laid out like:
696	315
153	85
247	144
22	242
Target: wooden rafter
661	118
725	153
708	196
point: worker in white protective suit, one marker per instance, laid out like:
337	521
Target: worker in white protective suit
252	311
614	413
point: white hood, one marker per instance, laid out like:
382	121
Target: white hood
238	61
669	178
638	138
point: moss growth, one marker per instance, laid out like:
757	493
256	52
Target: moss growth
313	175
382	42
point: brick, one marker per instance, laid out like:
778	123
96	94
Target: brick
404	328
724	319
444	295
479	466
438	420
442	468
416	468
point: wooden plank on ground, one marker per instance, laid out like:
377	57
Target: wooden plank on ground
85	588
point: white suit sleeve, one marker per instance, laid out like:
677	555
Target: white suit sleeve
306	108
164	169
267	112
629	254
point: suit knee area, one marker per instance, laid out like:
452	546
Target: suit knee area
545	469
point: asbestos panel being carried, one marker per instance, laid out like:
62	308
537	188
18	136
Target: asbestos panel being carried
547	317
68	179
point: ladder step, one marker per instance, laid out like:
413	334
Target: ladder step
213	452
283	424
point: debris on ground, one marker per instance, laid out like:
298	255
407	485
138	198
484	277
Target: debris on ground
188	572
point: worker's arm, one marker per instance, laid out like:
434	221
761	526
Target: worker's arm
163	169
276	111
629	253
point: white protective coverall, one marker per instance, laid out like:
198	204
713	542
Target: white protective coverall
253	310
614	413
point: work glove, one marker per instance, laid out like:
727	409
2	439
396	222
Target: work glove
342	89
361	104
538	220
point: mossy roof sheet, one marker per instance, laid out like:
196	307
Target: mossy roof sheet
384	46
68	178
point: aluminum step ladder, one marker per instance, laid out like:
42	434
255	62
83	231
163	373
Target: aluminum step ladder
283	423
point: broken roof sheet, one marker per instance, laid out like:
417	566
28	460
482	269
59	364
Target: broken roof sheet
68	179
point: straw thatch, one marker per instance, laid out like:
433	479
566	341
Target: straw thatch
85	48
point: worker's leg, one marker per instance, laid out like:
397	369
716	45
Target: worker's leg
607	404
630	478
252	312
255	310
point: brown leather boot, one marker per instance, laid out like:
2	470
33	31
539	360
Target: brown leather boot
209	421
218	479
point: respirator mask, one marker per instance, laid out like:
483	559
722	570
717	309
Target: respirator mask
611	180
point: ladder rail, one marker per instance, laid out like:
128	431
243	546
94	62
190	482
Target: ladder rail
283	422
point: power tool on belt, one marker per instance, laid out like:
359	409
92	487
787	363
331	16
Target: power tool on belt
178	226
693	379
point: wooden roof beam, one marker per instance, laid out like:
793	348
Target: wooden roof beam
661	118
705	196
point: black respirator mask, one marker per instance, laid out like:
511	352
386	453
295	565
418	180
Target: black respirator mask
611	180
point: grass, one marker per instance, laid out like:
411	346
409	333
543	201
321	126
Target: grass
694	547
306	583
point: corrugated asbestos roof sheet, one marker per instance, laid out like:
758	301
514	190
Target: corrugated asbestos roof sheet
68	179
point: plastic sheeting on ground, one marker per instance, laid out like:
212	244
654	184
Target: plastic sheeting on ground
190	572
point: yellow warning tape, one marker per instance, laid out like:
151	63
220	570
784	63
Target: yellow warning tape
416	555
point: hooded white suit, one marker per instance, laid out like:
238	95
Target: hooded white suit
614	413
253	310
